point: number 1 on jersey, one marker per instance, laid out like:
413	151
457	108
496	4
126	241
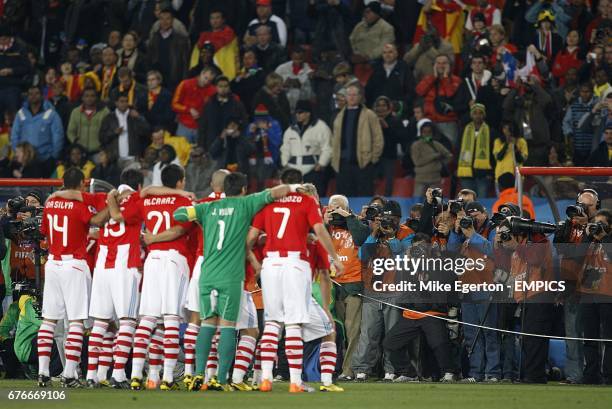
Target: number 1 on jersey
286	213
221	234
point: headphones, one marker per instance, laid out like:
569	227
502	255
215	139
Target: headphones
594	193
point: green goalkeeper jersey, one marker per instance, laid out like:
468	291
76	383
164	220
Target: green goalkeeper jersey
226	223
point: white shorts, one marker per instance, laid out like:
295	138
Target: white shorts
248	313
67	289
114	293
286	284
193	292
164	285
319	326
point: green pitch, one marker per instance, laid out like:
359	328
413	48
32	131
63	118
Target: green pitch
368	395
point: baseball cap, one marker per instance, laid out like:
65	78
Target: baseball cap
474	207
266	3
392	208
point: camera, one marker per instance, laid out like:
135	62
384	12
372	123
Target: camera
27	228
337	219
388	223
575	210
595	229
373	211
437	195
16	204
497	218
466	222
455	206
520	225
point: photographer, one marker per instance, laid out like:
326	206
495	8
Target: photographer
432	204
595	289
531	263
360	225
387	240
412	324
571	253
348	302
22	228
472	237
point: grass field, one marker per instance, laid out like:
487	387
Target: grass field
368	395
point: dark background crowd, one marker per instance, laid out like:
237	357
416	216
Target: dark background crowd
401	94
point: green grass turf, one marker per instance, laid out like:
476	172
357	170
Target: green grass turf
368	395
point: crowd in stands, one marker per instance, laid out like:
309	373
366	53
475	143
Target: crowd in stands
400	95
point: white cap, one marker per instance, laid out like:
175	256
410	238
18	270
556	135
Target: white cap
123	188
421	123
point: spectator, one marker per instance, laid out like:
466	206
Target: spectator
122	134
277	26
534	111
131	57
14	66
392	130
188	102
331	19
350	284
231	149
218	110
602	155
107	169
224	46
307	146
38	124
602	83
236	12
107	73
578	134
77	158
492	15
275	100
357	145
249	79
137	93
60	103
161	136
474	168
468	92
169	51
509	149
159	102
392	78
269	55
509	194
266	135
177	24
370	35
24	163
167	156
438	91
552	13
86	120
296	75
569	57
430	158
499	43
547	42
70	79
422	56
198	172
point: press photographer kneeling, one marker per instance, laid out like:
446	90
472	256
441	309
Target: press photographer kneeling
531	267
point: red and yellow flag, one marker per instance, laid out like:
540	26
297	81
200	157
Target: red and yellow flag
226	50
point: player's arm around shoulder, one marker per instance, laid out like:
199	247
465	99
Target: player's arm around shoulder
187	213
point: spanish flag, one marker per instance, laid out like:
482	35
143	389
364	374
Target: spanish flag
447	18
226	50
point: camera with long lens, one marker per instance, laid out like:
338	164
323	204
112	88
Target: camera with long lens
466	222
497	218
576	210
373	211
595	229
519	225
337	219
437	195
28	228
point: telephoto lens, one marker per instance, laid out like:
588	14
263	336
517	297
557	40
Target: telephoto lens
466	222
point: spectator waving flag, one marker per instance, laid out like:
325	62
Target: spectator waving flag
510	63
224	44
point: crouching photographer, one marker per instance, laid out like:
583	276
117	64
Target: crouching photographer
387	240
348	302
413	323
473	238
571	253
595	289
531	278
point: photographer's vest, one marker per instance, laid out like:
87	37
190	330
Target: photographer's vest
22	261
540	268
569	269
382	251
348	253
595	280
474	275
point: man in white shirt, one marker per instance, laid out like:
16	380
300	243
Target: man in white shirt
266	18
